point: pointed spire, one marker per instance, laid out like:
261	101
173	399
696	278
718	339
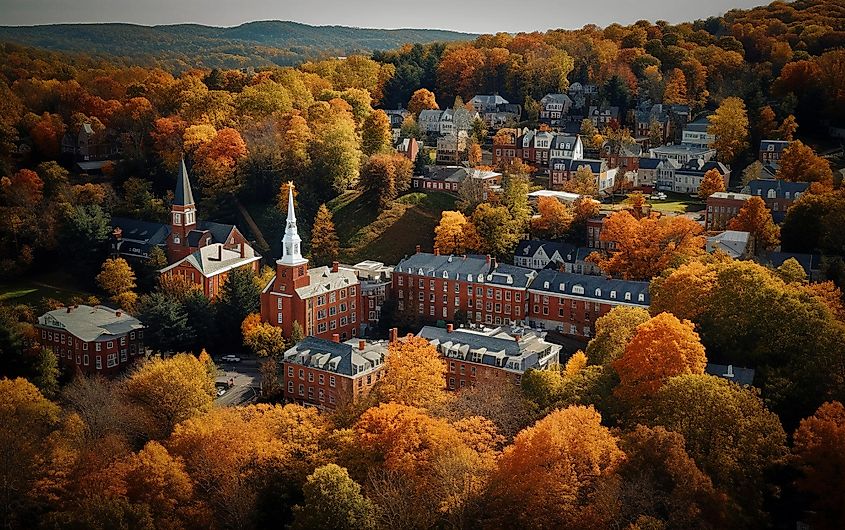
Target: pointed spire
291	242
184	196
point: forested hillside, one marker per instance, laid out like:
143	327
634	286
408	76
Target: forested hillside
256	44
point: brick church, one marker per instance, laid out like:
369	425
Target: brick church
326	301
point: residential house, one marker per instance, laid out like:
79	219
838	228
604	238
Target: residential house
626	158
135	239
554	108
507	146
536	146
324	301
603	116
209	266
409	148
450	178
92	340
645	116
429	121
723	206
563	169
84	144
771	151
563	196
495	110
436	287
734	243
571	303
328	374
688	177
539	254
476	357
651	170
566	146
778	194
396	117
695	134
594	228
452	147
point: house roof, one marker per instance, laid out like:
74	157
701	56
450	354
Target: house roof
457	173
810	262
498	347
731	242
145	232
680	149
343	358
563	196
596	288
91	323
183	194
596	166
730	195
566	252
699	125
740	376
761	187
430	115
470	268
773	145
556	98
649	163
564	142
213	259
697	166
489	100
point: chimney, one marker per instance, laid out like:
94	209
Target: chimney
419	249
117	313
242	248
436	251
730	372
517	336
335	266
450	328
488	259
362	344
335	337
117	233
394	332
68	309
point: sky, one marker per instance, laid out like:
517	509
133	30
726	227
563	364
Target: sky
473	16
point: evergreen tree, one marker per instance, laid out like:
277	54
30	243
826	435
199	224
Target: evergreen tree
324	243
238	298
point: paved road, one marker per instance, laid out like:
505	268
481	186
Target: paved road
247	380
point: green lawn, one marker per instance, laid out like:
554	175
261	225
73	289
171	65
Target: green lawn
674	203
31	290
387	236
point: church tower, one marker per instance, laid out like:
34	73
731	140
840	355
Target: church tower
183	217
291	268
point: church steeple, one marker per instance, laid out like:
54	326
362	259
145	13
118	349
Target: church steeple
183	216
184	196
291	242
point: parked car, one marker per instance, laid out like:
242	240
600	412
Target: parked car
658	196
230	359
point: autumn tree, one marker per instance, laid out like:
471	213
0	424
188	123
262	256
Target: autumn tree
800	163
450	233
660	348
333	501
754	217
239	296
413	374
727	430
712	182
294	151
325	245
766	124
118	279
500	401
376	135
582	182
660	480
788	128
753	171
474	154
819	453
613	331
169	391
645	247
378	178
422	99
675	92
264	339
491	230
554	219
334	149
561	461
216	161
729	125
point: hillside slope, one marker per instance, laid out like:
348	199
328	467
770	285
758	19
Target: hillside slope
262	43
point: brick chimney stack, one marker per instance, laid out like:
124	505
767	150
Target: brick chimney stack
335	337
394	332
450	328
335	266
419	249
362	344
436	251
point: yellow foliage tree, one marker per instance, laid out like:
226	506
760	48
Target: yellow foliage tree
554	218
450	233
729	125
414	374
117	278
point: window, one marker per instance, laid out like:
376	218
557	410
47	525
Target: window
111	360
322	395
301	373
85	346
290	371
98	346
290	387
310	377
110	344
331	380
301	390
99	362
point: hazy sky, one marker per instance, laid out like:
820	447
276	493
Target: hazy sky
476	16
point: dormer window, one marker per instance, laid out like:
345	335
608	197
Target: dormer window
598	292
577	289
563	287
469	277
176	239
613	295
641	298
445	274
771	194
627	296
545	285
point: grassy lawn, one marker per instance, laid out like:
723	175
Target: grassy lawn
387	236
31	290
675	203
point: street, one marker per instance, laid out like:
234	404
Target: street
246	382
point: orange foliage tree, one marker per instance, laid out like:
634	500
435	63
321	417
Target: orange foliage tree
422	99
819	452
646	247
217	159
559	462
754	217
800	163
661	348
414	374
712	182
553	220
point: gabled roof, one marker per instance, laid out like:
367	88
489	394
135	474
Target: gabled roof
698	167
91	323
773	145
183	194
143	232
323	281
564	142
649	163
214	259
489	100
470	268
596	288
457	173
732	242
761	187
699	125
566	251
556	98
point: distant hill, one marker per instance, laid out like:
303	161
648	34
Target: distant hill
179	46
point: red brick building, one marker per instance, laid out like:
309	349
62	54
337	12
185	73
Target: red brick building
209	266
325	301
475	356
723	206
436	287
329	373
92	340
571	303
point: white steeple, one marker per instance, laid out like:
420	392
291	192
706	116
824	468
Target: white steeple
291	254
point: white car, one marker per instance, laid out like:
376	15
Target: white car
659	196
230	359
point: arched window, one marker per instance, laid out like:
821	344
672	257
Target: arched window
598	292
771	194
